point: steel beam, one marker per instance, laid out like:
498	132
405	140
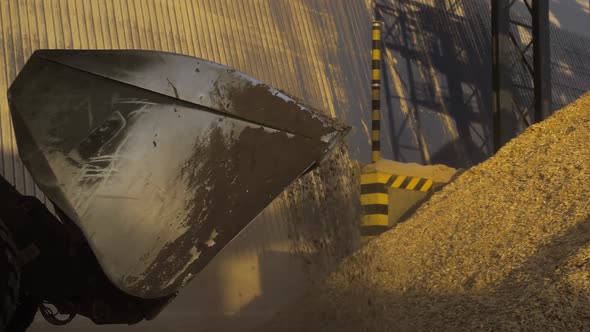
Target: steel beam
376	92
503	113
505	107
541	59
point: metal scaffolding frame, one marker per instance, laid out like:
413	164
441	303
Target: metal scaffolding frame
520	66
509	116
411	36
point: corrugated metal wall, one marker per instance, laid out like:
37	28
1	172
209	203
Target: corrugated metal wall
316	50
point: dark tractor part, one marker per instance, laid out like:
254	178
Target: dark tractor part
24	314
59	273
9	277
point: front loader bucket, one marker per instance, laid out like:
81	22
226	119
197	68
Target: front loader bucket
160	159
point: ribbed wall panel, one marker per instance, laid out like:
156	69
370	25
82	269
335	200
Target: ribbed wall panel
316	50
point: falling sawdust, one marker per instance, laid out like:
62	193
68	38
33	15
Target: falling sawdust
504	247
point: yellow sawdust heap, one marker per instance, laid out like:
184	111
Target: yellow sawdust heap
506	246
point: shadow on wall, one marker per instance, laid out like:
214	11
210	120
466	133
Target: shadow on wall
573	15
437	80
437	72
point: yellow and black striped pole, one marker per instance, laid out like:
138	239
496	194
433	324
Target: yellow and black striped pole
376	94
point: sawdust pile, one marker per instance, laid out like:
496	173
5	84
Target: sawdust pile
506	246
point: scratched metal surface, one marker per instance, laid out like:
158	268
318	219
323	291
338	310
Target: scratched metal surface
161	156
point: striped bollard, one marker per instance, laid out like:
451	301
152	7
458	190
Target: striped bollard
376	93
380	212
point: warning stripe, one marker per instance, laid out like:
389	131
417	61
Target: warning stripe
373	230
375	220
412	184
373	188
400	181
376	92
370	178
376	209
427	185
379	182
375	199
